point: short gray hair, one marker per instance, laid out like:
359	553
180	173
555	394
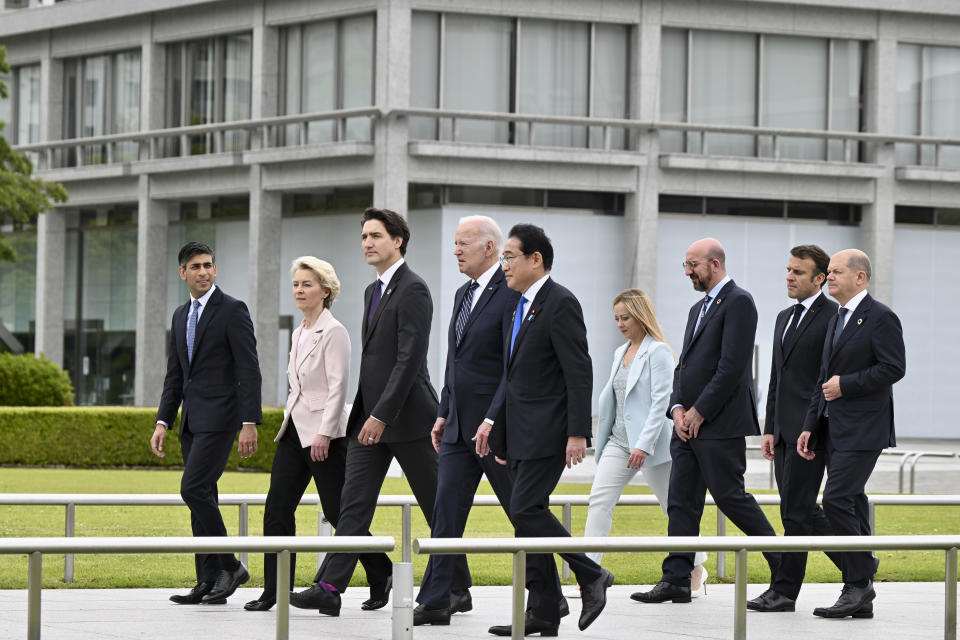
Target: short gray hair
859	261
325	273
488	227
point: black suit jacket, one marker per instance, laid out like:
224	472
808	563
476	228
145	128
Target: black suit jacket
714	372
547	382
475	367
869	357
220	388
394	383
794	373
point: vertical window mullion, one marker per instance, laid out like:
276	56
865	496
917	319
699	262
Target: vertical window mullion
688	106
921	99
340	131
515	83
758	104
13	94
829	119
591	75
186	86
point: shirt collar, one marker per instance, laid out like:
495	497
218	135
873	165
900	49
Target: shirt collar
387	275
855	301
716	288
204	298
809	301
534	289
484	279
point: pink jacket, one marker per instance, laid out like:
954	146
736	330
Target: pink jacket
317	374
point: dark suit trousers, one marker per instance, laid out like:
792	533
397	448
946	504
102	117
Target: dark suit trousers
717	465
289	476
205	456
799	483
845	503
459	475
367	467
533	482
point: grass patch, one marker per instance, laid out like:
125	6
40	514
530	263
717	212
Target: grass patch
176	570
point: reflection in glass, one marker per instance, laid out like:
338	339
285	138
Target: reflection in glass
236	88
319	78
845	107
356	59
720	97
6	107
941	103
794	93
126	101
202	85
610	74
18	288
92	112
673	87
424	72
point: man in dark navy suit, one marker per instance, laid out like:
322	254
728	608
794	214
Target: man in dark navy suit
212	369
713	410
850	416
545	400
798	337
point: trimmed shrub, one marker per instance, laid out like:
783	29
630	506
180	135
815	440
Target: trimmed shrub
107	437
29	381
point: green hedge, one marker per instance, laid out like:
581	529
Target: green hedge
28	381
106	437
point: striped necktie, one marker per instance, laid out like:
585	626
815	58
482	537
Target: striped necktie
192	328
465	308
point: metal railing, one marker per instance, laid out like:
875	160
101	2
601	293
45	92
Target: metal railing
406	502
519	547
35	548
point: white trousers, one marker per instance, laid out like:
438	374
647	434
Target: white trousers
608	484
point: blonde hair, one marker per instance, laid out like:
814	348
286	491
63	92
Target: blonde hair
325	273
640	307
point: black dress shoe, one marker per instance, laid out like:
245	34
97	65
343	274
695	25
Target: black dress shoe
852	601
594	598
196	594
259	605
438	617
227	582
379	596
770	601
460	602
326	601
531	625
662	592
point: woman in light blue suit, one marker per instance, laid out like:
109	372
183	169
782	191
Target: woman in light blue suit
632	433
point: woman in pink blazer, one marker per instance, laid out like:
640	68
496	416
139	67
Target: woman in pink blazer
310	442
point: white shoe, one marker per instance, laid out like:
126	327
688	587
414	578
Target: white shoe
698	581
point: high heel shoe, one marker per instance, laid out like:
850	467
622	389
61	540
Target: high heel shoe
698	580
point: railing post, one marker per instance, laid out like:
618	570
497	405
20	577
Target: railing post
70	526
704	147
402	601
405	538
455	129
776	147
34	585
950	589
530	133
721	555
740	596
324	528
772	477
913	471
567	524
872	517
283	594
244	528
519	584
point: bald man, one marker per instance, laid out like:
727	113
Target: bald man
713	410
851	416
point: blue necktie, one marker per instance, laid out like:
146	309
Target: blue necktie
465	308
839	328
192	328
703	312
375	300
517	321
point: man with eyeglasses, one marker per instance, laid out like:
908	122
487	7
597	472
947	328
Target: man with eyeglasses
713	410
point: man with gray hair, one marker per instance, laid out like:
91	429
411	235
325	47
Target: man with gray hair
473	371
851	416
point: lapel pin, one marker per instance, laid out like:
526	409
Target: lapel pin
719	300
389	291
859	321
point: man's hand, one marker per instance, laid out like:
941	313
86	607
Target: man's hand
692	420
767	446
320	448
678	426
247	442
576	450
436	434
156	440
637	458
831	389
802	443
483	438
371	432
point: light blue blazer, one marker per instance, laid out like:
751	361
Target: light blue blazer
649	383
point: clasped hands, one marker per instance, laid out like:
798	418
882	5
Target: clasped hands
687	422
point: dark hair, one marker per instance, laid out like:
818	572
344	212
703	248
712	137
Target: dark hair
394	223
820	258
533	240
191	249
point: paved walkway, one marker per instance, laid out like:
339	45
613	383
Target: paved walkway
905	611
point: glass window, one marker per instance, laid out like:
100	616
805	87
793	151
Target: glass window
718	96
6	107
18	284
425	72
611	69
356	60
908	99
845	91
673	87
236	88
126	102
941	102
320	77
28	104
794	81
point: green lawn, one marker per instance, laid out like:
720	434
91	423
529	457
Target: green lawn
176	570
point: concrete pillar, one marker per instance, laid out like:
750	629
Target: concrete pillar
877	226
264	279
392	91
642	206
51	274
150	350
153	70
265	75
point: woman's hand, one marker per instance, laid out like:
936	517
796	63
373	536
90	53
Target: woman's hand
637	458
320	448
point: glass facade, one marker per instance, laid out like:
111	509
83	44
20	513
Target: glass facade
928	102
18	284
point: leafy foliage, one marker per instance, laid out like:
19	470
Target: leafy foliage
28	381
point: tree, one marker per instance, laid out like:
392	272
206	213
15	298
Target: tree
22	196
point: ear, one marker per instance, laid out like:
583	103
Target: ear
819	279
183	273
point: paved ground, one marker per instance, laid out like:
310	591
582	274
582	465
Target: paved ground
904	611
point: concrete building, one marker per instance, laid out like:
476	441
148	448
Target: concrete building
626	128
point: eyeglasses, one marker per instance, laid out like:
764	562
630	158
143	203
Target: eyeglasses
692	264
505	260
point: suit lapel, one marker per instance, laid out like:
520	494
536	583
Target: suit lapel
314	339
180	331
209	311
395	282
638	364
778	328
711	311
529	318
808	318
853	324
495	283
